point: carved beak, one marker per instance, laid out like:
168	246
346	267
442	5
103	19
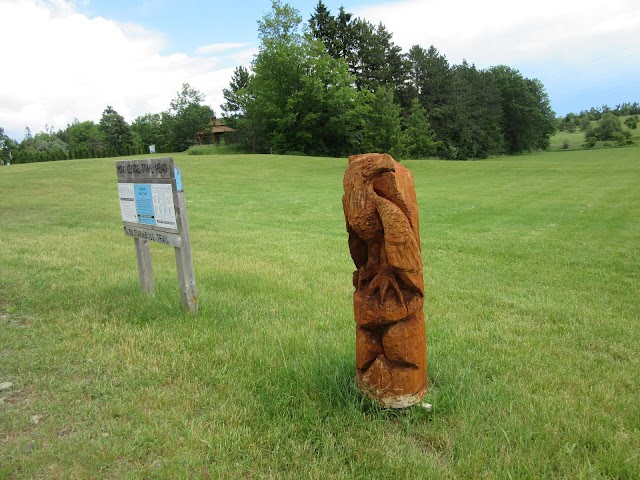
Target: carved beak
382	170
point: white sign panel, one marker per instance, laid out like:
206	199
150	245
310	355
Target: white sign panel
163	208
147	204
127	203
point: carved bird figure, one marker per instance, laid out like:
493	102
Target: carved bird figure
382	223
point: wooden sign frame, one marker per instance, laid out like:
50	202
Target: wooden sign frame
153	208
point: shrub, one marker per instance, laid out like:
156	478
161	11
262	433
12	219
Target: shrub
623	138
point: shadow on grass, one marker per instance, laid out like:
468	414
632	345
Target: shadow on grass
134	306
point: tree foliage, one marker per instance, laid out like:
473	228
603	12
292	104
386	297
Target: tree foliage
85	139
115	132
171	130
148	130
608	128
528	121
299	99
418	137
236	95
382	124
476	119
371	56
186	117
632	122
338	87
345	87
7	146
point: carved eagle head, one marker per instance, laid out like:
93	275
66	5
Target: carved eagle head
370	165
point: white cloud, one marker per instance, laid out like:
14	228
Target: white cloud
586	52
62	64
494	32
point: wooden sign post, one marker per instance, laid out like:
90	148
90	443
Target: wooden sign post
153	208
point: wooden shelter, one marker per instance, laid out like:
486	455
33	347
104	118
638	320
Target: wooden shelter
213	133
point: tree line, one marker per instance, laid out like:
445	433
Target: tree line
333	86
574	121
581	121
341	86
169	131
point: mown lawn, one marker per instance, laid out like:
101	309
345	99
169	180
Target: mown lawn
532	270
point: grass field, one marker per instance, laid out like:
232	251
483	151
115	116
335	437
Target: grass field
532	274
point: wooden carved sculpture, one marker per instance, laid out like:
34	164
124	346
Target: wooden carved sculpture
381	211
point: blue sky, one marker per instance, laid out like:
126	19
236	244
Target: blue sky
73	58
190	23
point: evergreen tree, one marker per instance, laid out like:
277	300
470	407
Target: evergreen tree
372	57
431	77
418	137
236	95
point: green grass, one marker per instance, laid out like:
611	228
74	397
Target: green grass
635	132
532	270
575	141
213	150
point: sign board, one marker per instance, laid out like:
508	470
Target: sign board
152	208
148	190
148	204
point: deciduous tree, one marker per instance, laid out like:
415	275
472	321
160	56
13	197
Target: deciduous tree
607	128
186	117
116	132
382	125
85	139
528	121
148	129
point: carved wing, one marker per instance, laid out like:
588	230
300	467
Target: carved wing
405	184
401	245
397	187
357	246
358	249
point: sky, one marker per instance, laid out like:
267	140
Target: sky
66	59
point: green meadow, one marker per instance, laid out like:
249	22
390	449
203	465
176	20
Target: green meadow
532	278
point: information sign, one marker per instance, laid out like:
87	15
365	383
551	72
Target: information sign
152	208
148	204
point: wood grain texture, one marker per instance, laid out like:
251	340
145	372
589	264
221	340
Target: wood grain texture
381	213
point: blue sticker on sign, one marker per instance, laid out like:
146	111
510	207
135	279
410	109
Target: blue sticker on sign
144	204
178	175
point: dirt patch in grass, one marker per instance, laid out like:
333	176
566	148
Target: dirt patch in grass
13	320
